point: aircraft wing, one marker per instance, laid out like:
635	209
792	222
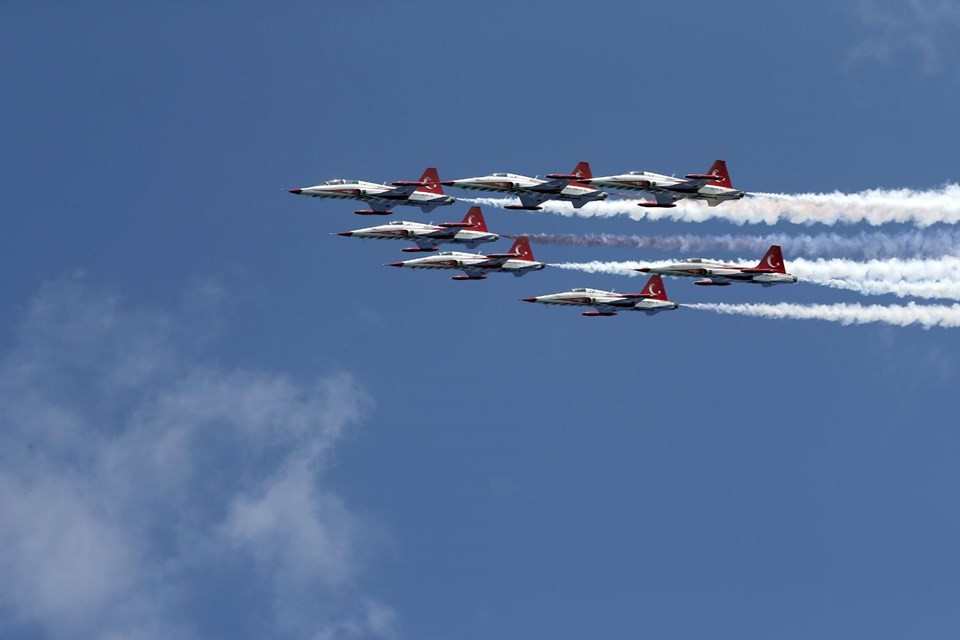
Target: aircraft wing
665	198
403	188
496	260
690	185
439	234
627	301
400	192
377	202
531	200
557	183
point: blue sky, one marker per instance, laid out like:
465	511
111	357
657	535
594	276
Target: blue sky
221	421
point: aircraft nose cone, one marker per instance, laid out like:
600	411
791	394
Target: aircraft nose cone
528	299
644	269
394	264
296	191
448	183
345	233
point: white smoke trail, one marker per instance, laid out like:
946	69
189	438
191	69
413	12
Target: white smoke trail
914	278
926	316
928	290
889	270
866	244
622	268
874	207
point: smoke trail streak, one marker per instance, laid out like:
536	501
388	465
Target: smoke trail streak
867	244
926	316
890	270
927	290
874	207
624	268
915	278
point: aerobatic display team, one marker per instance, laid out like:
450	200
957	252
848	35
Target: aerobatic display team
699	194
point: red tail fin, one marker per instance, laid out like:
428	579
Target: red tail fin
654	288
521	247
475	218
432	178
582	171
719	169
773	259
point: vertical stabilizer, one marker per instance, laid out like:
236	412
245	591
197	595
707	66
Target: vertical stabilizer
719	169
654	288
521	247
431	180
773	259
582	171
475	218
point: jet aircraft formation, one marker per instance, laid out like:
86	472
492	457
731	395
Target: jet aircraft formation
579	187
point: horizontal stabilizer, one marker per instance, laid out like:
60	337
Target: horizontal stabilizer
371	212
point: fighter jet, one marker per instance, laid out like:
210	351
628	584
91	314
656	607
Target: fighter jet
770	271
535	191
714	186
475	266
425	193
652	300
471	232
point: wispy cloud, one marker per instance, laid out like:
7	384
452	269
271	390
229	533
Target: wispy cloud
146	492
927	29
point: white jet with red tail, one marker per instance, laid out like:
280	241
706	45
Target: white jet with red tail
472	232
770	271
533	192
714	186
426	193
475	266
651	300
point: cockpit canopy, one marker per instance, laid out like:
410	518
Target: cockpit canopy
586	290
339	181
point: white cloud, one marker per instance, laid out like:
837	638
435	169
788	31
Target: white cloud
927	31
143	487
